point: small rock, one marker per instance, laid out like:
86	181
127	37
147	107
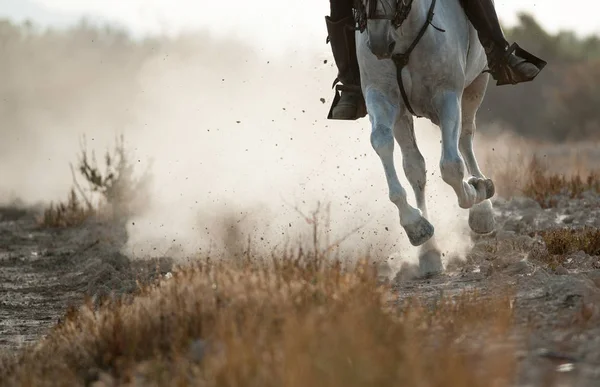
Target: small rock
529	217
595	277
503	235
566	367
498	201
555	355
512	225
526	203
560	270
487	268
571	291
518	267
568	219
524	242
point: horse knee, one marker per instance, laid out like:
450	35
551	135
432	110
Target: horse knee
382	107
452	169
382	140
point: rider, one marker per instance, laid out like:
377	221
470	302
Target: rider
506	66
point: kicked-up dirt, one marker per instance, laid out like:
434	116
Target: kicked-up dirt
556	297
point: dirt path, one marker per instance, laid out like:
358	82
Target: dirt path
43	272
558	310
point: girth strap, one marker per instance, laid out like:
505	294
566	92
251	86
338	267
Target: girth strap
401	60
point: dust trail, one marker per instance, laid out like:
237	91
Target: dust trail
238	137
244	138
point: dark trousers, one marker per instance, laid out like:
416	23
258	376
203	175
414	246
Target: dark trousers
481	13
340	9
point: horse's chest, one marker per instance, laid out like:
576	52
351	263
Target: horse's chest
420	91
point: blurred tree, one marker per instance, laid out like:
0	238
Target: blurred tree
573	106
50	71
560	103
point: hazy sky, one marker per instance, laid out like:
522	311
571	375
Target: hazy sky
269	23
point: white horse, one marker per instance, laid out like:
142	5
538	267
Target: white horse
441	61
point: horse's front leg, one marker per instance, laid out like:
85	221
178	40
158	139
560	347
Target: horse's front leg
383	110
430	256
452	166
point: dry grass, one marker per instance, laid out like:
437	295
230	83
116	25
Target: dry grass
300	320
112	194
560	242
539	171
570	240
71	213
542	185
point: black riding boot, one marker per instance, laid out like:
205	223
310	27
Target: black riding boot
348	102
508	64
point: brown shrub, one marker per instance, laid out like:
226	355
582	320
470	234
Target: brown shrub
560	242
300	320
527	168
71	213
541	185
119	194
570	240
119	189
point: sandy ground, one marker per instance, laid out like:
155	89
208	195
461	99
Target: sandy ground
44	272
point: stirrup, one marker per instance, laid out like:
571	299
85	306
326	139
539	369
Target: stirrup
361	108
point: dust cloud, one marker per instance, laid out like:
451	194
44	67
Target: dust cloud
237	138
240	139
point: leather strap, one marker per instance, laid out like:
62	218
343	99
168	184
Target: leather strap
401	60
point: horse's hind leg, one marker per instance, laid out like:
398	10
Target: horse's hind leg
481	216
430	261
382	112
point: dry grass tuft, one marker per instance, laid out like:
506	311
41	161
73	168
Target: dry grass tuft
542	185
564	241
299	320
117	192
569	240
71	213
525	168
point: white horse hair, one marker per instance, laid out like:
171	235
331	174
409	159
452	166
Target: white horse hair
445	83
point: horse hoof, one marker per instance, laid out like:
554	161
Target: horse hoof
430	263
419	232
481	218
485	185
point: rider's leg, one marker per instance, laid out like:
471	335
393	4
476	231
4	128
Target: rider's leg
506	66
340	28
